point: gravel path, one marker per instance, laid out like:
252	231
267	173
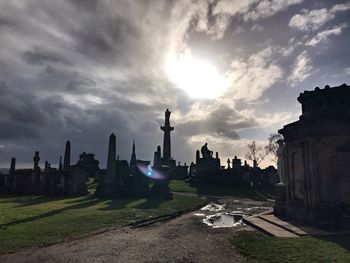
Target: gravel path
184	239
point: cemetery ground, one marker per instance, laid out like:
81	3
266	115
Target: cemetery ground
27	221
28	224
257	247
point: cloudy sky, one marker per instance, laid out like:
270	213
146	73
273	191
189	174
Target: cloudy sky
230	72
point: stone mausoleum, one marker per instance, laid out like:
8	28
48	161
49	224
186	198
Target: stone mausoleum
314	160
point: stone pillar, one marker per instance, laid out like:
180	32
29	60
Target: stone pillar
280	208
36	160
61	177
197	156
10	178
157	158
166	141
60	164
66	162
36	169
133	156
111	162
12	166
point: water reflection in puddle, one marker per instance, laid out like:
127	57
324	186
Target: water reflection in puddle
199	214
223	220
219	215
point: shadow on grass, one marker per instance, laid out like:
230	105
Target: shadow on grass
151	203
341	240
28	200
218	190
52	213
115	204
85	198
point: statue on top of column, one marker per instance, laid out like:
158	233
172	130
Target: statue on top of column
206	153
167	116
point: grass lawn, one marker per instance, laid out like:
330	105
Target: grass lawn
218	190
181	186
257	247
27	221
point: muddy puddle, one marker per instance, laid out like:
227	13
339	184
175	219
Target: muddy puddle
218	215
223	220
213	207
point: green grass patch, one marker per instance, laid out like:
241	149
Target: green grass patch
181	186
257	247
218	190
27	221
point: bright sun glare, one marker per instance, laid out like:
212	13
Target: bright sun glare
196	77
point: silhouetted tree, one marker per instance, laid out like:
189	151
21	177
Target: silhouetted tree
272	145
258	153
255	152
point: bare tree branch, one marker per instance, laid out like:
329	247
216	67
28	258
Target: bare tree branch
258	153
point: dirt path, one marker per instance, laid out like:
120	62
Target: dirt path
184	239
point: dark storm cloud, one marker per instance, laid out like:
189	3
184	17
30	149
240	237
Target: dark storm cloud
86	5
5	22
221	122
20	107
16	130
40	56
81	69
109	39
80	85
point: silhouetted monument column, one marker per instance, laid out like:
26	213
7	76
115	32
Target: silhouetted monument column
13	166
111	164
133	160
36	160
108	185
197	156
166	141
61	178
133	156
10	179
66	162
36	170
46	166
159	151
157	162
60	164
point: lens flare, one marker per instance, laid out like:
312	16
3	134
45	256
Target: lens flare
149	172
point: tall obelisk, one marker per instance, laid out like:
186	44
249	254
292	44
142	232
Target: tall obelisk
12	167
166	141
111	159
66	160
133	155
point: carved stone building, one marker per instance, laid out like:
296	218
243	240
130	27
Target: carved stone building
316	161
